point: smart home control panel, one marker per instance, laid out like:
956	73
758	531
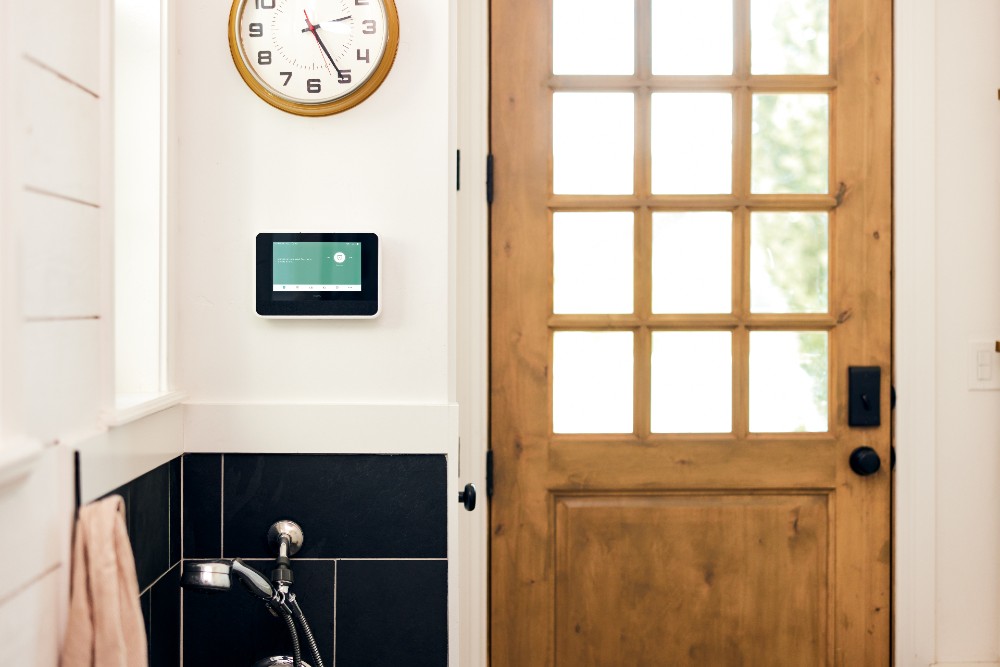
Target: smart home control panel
318	274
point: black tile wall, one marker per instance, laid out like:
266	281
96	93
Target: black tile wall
392	612
202	506
149	524
153	518
371	576
236	628
175	510
165	620
362	506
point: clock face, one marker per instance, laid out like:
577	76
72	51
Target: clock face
313	57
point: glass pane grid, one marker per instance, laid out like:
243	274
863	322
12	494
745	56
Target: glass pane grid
655	68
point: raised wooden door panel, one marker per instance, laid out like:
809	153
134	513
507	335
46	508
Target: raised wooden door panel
693	579
671	337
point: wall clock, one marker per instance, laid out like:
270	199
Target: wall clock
313	57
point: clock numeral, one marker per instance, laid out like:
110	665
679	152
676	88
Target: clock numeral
288	77
344	76
264	4
314	85
369	27
366	58
263	57
256	29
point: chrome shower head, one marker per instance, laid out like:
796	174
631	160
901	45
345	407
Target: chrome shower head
217	575
209	576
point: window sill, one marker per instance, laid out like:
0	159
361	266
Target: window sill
131	407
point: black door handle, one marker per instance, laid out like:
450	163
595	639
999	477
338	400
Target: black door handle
865	461
468	497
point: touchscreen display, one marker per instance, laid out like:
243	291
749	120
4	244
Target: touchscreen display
316	266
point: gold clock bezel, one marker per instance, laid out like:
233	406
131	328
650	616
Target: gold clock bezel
348	101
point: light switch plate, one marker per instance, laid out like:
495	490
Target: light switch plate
983	365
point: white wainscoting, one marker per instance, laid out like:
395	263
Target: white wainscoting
122	453
320	429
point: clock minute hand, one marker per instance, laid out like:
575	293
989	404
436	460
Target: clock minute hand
312	29
320	24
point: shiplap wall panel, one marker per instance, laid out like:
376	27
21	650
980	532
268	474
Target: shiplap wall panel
50	74
29	624
71	31
62	136
62	378
43	512
61	255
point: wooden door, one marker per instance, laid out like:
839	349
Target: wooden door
690	247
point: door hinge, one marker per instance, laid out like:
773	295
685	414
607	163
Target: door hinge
489	473
489	178
458	170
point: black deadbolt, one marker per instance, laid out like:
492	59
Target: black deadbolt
865	461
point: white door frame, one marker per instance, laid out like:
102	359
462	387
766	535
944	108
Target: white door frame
914	338
472	324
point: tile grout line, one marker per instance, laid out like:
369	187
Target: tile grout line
180	619
222	505
170	510
158	579
149	638
336	573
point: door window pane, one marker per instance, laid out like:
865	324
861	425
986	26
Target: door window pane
592	382
790	36
788	262
692	382
593	143
579	25
692	143
791	144
788	381
692	37
592	264
692	262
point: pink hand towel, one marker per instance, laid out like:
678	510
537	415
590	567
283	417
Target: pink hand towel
106	628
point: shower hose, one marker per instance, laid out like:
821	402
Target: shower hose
290	610
306	630
296	651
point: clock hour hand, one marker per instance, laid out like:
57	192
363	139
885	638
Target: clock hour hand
312	29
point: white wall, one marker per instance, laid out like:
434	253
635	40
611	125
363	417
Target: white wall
968	307
947	291
243	167
386	166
